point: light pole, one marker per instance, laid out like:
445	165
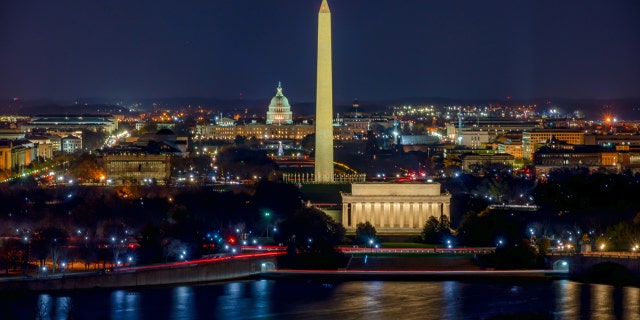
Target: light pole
267	215
25	258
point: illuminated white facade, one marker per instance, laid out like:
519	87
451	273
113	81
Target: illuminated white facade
279	109
394	208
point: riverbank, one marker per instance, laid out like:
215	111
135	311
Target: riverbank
200	271
269	266
413	275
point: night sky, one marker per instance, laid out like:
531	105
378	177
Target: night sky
382	49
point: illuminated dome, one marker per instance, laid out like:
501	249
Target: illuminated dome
279	109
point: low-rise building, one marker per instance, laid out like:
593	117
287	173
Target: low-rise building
96	123
531	140
474	163
394	208
71	144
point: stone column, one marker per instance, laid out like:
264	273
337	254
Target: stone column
446	210
345	215
412	210
356	209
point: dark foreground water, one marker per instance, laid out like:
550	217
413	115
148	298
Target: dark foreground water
283	299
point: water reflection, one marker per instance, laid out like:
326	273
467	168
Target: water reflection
451	298
183	303
229	305
269	299
601	302
260	291
568	298
373	291
631	302
44	307
125	305
64	308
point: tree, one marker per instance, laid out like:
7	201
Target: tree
175	249
240	141
86	168
543	246
151	247
371	146
117	236
311	230
436	230
430	231
253	143
365	232
245	163
55	240
623	236
13	250
308	143
88	251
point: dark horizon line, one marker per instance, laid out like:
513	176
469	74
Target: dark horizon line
70	101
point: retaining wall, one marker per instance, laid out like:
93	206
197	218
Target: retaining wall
130	277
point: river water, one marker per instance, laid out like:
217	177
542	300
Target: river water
289	299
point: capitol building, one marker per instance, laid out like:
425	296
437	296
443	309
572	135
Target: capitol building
279	109
279	125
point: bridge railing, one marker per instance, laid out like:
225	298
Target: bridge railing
419	250
618	255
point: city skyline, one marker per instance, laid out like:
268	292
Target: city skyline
458	49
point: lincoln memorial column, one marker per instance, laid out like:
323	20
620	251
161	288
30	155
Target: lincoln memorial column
345	214
446	207
412	213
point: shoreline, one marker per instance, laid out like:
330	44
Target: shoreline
414	275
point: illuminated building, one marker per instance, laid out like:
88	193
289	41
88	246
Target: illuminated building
533	139
557	154
258	131
279	109
148	160
475	163
16	154
43	145
512	146
96	123
71	144
135	166
394	208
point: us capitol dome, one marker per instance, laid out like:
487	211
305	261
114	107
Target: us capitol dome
279	109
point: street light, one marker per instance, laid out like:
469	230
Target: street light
267	215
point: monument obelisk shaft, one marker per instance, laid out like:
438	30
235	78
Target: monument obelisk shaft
324	99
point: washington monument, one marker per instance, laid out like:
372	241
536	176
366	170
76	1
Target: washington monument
324	99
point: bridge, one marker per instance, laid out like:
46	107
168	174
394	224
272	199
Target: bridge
616	267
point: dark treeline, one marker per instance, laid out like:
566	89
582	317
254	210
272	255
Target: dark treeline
574	206
154	224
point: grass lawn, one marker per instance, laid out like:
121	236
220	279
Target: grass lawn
436	255
407	245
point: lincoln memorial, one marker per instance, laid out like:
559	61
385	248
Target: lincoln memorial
393	208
